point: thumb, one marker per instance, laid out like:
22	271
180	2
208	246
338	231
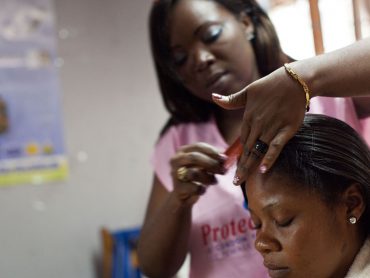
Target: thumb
233	101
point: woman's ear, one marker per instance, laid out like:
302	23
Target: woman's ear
354	201
247	25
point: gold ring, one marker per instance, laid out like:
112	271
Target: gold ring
182	174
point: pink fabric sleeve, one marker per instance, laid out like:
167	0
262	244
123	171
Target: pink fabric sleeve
164	149
366	129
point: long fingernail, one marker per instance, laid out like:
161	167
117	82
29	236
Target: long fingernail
222	156
263	169
217	96
236	180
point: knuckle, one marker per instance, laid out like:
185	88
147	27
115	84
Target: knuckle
258	120
276	143
242	169
203	145
269	158
173	161
192	158
231	99
182	148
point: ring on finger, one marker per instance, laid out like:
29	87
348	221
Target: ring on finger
261	147
182	174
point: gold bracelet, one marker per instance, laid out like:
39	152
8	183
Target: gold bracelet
301	82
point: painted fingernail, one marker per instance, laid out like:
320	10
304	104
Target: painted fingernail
217	96
263	169
223	156
236	180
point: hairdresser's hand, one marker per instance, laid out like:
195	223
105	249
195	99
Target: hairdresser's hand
274	110
193	170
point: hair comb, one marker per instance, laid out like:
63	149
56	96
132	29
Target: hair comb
233	153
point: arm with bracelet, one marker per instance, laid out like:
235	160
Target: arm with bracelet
275	105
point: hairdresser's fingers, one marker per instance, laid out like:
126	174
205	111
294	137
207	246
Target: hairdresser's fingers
190	183
201	155
193	174
257	145
246	126
241	170
199	160
233	101
204	148
189	193
275	148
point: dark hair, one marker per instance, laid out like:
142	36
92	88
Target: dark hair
327	156
180	103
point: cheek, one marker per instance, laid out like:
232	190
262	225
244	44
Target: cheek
308	248
189	82
242	61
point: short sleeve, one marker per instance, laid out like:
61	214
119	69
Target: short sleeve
164	149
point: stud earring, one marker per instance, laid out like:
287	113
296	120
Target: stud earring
250	36
352	220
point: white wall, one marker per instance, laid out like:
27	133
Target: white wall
112	115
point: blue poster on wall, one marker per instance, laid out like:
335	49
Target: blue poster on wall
31	131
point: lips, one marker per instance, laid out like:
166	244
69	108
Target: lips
276	271
213	79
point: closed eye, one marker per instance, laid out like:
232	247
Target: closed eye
212	33
285	223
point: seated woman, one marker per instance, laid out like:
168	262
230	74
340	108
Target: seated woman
311	211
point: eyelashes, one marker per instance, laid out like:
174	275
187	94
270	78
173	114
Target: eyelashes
280	224
212	34
285	223
209	36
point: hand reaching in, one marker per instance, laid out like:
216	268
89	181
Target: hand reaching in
274	110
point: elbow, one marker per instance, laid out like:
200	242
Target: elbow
151	265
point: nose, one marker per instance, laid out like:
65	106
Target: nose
203	58
266	243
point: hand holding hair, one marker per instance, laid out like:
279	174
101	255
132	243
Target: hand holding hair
272	116
275	105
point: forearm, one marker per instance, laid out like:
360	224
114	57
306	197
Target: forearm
341	73
164	239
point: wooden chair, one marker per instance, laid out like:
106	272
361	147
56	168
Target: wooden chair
108	245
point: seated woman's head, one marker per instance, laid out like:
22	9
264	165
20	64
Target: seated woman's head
311	211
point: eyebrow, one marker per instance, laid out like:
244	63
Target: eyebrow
269	206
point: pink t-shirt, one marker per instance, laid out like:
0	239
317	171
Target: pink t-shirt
342	109
221	240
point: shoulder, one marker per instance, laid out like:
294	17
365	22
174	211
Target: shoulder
186	133
361	265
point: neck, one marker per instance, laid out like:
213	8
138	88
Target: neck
355	248
229	123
